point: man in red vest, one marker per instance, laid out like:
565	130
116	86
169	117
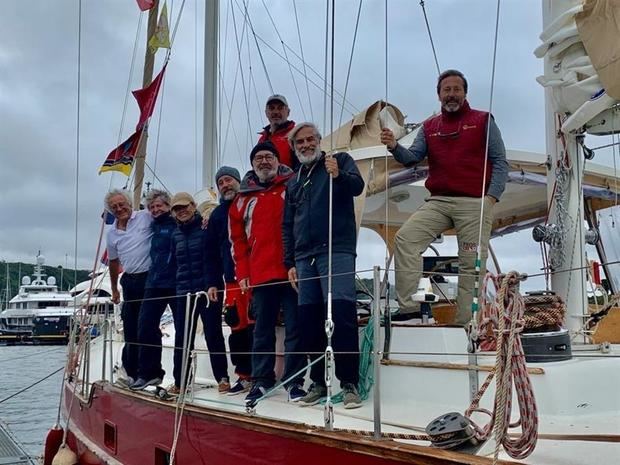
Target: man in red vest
460	185
276	132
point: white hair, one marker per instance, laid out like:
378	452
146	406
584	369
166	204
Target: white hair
112	193
299	127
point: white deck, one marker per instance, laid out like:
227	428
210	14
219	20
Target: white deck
575	397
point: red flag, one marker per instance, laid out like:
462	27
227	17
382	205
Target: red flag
147	97
145	4
121	158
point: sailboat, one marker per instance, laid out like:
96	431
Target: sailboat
423	383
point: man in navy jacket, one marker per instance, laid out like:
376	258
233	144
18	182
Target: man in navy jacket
305	233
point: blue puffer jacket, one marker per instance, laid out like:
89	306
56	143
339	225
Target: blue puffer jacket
192	256
218	244
162	274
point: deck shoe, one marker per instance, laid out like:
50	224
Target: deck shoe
241	385
296	393
314	395
173	390
223	386
141	383
256	392
125	382
351	397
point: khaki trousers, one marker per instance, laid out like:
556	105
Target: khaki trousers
438	214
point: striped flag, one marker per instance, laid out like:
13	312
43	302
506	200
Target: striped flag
121	158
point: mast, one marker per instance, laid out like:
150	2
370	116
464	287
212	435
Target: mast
570	285
147	77
209	134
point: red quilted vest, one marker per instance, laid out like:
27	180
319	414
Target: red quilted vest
456	146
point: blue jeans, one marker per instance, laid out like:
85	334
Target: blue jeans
266	304
313	311
133	293
212	324
149	334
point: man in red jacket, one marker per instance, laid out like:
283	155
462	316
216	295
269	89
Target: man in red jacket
461	184
277	111
255	221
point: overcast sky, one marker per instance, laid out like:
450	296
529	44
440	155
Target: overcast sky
39	90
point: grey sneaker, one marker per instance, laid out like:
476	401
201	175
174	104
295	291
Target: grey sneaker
351	397
314	396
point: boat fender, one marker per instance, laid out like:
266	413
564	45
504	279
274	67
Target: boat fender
53	440
65	456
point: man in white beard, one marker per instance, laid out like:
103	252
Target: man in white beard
305	234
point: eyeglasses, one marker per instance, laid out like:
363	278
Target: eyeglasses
449	135
309	140
260	158
178	208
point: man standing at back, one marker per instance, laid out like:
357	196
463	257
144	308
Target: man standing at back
460	184
129	245
236	303
276	132
255	233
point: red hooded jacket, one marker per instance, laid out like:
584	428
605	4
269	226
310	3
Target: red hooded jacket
255	225
280	140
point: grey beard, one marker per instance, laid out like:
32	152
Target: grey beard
229	195
308	159
266	177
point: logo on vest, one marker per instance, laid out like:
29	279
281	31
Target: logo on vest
469	126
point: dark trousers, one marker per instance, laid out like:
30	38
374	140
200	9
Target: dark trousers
240	343
266	304
149	334
212	324
312	274
345	340
133	293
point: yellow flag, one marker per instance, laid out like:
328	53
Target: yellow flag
161	37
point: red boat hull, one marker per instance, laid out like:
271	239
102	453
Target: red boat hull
119	427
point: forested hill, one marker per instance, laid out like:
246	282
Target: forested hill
18	270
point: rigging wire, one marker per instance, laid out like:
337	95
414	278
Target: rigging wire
196	96
290	70
346	83
260	53
303	60
430	36
474	305
237	42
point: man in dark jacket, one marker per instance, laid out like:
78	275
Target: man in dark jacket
159	291
236	303
255	220
305	233
192	260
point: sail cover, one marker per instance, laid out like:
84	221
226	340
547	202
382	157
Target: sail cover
599	28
